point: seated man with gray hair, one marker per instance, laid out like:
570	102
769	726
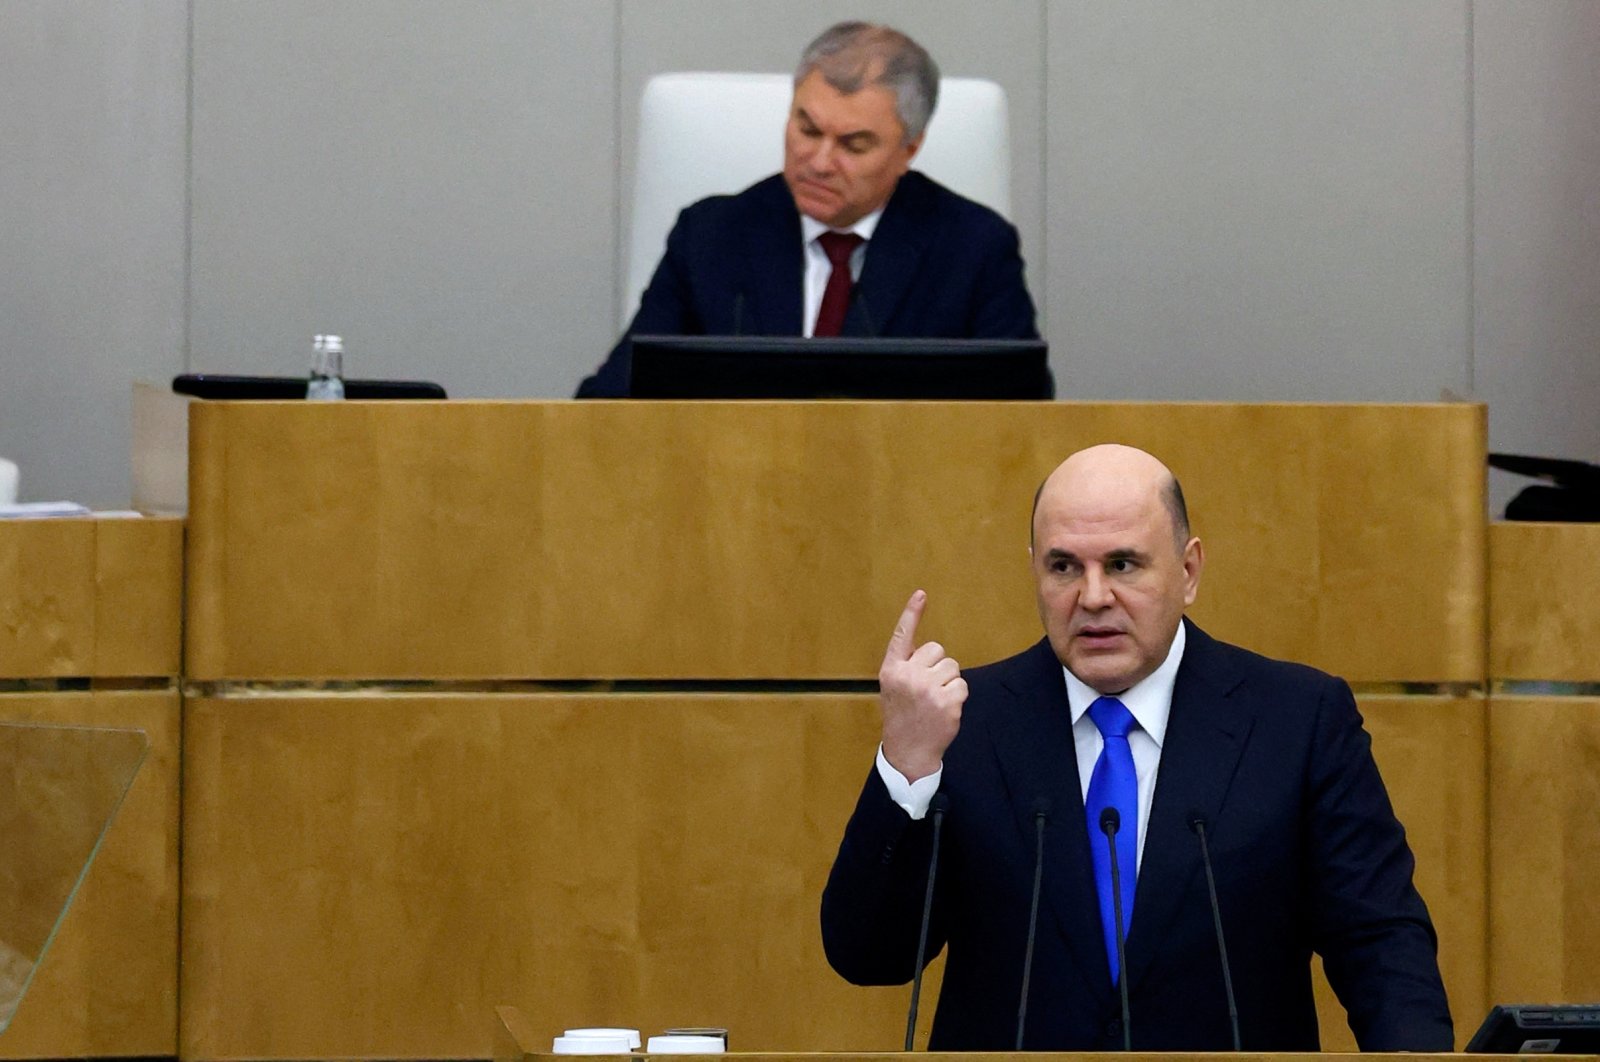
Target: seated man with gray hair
847	240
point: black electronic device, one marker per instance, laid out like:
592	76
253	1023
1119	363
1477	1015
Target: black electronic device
840	367
287	388
1539	1029
1570	493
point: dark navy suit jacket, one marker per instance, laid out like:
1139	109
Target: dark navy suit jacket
938	266
1308	857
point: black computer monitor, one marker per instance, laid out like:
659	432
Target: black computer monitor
215	385
841	367
1539	1029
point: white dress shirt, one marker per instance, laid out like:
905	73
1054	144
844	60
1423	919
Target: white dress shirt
818	268
1149	701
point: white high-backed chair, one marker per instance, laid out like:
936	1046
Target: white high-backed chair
704	134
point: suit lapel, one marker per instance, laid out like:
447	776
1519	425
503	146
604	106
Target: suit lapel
1034	747
1206	735
774	265
893	256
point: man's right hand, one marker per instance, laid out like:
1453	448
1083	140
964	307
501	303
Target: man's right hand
920	691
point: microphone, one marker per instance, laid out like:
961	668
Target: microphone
937	807
1110	823
738	312
1041	812
1197	823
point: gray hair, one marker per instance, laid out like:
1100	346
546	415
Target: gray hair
847	53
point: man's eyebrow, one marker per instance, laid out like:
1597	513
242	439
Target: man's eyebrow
1127	553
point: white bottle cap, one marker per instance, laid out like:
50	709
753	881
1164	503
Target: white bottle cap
686	1045
631	1035
331	343
590	1045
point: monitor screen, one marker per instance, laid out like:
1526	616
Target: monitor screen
1551	1028
840	367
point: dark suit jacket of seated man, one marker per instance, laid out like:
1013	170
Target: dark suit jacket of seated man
935	266
1272	756
938	266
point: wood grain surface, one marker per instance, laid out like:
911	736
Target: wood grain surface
1544	602
1544	849
369	876
109	984
780	540
86	597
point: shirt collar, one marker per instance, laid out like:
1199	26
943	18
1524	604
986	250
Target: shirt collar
1149	700
811	228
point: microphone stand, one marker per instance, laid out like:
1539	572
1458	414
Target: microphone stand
937	808
1110	823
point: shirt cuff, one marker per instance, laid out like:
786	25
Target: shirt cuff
914	797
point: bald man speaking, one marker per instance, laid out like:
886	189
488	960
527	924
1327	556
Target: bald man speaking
1127	729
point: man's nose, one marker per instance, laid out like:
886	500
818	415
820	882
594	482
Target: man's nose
1096	592
825	156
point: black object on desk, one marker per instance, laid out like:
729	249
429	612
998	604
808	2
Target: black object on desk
286	388
1572	496
1551	1028
840	367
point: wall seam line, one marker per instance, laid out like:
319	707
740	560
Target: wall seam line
188	194
1472	201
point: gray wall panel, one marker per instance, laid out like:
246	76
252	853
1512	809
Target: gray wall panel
1258	200
1242	200
91	275
435	181
1537	167
999	40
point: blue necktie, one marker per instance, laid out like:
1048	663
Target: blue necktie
1113	785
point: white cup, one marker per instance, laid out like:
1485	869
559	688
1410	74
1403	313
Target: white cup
590	1045
631	1035
8	482
686	1045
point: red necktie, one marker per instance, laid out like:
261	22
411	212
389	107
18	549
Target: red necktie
838	246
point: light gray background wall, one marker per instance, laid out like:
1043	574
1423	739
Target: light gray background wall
1229	199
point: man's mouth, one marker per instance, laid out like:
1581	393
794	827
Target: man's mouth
1099	635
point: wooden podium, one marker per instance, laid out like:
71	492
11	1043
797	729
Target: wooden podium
89	636
1544	647
566	704
517	1040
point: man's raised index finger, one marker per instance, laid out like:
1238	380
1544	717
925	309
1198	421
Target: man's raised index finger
902	642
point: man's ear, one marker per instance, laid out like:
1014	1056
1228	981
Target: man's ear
1194	559
911	150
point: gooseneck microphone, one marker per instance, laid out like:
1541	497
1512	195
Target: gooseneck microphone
738	312
1197	823
936	807
1041	812
1110	823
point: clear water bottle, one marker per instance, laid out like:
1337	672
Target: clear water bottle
327	369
